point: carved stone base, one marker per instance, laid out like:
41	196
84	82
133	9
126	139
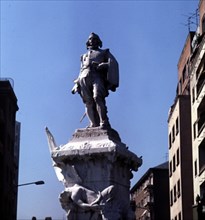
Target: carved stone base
99	164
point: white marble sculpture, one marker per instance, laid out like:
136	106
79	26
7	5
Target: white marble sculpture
79	202
95	179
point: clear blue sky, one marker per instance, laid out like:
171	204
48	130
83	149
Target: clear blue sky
41	44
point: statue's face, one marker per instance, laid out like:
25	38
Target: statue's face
93	42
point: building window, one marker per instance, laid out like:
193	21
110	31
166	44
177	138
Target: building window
178	188
193	95
177	126
170	168
203	24
177	156
171	197
194	130
170	140
180	86
173	134
180	216
175	193
174	163
195	168
184	74
151	181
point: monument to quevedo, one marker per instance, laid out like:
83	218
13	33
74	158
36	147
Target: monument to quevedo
95	166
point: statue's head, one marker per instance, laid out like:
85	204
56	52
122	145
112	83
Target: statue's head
93	41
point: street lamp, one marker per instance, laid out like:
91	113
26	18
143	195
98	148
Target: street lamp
40	182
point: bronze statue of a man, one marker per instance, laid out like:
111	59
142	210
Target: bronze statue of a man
98	74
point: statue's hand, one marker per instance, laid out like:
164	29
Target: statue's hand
102	66
94	64
97	199
74	89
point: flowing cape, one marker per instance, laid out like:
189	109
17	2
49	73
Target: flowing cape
113	73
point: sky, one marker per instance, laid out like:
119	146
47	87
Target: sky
40	47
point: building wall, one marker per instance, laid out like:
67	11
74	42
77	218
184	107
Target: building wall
174	165
142	197
151	195
9	170
180	164
186	161
183	66
16	160
161	187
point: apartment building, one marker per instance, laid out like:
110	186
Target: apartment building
9	151
180	141
186	127
151	194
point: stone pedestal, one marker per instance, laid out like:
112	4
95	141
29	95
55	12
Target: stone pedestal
97	161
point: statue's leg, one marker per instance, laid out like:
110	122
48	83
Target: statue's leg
91	113
102	111
90	107
99	94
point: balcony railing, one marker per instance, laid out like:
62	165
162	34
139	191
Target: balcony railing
149	187
149	204
200	83
201	123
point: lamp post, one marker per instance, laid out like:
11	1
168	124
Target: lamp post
40	182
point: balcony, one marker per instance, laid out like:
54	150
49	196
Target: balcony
200	83
145	215
149	203
202	157
201	116
201	123
149	187
149	206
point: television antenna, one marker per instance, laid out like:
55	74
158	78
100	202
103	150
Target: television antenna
192	20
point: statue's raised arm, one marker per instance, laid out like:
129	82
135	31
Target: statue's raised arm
99	73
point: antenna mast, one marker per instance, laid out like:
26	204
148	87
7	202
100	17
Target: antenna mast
192	20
